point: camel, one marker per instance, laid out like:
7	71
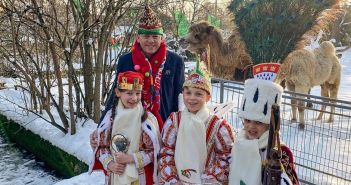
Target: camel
221	58
302	69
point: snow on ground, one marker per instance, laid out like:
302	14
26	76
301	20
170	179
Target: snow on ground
18	167
96	178
78	144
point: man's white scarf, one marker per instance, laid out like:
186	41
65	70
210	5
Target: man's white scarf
190	152
246	160
128	123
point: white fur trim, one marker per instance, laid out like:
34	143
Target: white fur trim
181	105
221	109
285	180
154	135
266	92
104	125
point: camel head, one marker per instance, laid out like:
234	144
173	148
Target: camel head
197	40
228	55
198	36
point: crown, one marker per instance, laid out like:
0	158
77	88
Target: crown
130	80
199	78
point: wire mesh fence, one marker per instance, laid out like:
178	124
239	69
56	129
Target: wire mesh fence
322	150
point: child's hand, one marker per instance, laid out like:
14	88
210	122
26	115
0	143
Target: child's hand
123	158
116	168
146	140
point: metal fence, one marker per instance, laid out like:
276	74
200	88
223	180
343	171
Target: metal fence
322	150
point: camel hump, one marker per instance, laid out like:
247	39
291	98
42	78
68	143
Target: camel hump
300	53
327	47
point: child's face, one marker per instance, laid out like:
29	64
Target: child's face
254	129
129	98
195	98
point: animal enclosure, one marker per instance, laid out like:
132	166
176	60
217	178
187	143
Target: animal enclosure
322	150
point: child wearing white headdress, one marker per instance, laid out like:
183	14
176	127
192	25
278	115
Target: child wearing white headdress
250	147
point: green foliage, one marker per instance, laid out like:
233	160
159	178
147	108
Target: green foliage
182	23
341	30
64	164
214	21
271	28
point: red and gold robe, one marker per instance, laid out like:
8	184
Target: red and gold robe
145	159
219	139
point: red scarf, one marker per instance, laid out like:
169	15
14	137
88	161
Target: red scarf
152	71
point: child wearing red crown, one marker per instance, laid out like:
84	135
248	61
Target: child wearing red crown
196	143
250	147
128	137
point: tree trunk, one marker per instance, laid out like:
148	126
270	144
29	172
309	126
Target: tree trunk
70	96
88	60
56	63
98	72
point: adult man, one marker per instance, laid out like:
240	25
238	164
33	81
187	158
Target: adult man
163	73
163	70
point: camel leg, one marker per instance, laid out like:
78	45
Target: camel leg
301	105
301	109
294	110
324	93
291	87
333	88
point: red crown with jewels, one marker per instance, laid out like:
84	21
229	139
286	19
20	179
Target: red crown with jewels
130	80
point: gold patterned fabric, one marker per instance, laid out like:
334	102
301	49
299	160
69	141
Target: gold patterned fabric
199	78
149	23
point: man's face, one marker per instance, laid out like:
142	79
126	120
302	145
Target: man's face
149	43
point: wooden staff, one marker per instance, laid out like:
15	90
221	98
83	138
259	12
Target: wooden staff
273	166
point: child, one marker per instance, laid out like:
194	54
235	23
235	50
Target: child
128	118
196	144
249	151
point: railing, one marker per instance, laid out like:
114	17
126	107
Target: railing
322	150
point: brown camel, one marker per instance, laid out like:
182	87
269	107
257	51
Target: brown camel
221	58
302	69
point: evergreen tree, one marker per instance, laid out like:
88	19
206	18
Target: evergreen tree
271	29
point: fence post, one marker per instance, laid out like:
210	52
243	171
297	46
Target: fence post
221	91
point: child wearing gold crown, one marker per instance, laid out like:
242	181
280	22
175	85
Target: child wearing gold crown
196	144
131	160
250	147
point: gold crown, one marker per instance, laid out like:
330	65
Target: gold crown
136	85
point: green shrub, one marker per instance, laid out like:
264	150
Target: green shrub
271	28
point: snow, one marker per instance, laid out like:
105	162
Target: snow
90	41
78	144
96	178
15	162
